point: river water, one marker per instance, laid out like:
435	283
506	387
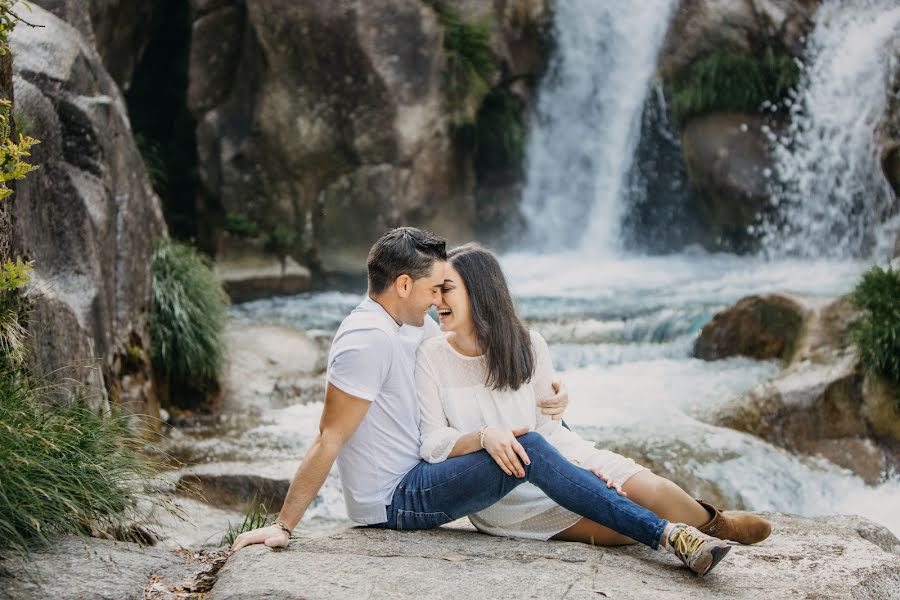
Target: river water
621	332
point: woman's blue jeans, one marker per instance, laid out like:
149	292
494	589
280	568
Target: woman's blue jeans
433	494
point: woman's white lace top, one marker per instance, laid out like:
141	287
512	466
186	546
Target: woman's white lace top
454	400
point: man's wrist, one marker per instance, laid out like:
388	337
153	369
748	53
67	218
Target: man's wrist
283	526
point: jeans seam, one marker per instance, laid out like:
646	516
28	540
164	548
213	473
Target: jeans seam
611	505
442	483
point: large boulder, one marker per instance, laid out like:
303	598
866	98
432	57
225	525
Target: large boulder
699	27
825	557
118	29
88	218
331	120
760	327
729	163
823	402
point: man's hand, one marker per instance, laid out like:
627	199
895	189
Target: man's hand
609	482
556	405
272	536
503	446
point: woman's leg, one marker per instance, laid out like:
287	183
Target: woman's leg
659	494
588	532
665	498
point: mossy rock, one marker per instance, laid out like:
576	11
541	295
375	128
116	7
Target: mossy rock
760	327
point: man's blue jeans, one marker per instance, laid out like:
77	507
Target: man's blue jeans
433	494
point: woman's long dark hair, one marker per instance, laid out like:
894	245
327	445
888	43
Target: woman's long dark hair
500	334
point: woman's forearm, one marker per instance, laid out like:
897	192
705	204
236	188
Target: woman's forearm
466	444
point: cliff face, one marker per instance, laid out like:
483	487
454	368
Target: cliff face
87	218
327	123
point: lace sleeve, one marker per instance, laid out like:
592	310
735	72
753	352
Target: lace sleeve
436	437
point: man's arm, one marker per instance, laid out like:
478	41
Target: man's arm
341	416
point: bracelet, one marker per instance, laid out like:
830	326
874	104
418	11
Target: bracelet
481	433
280	524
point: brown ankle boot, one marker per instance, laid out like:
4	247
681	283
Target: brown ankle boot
743	528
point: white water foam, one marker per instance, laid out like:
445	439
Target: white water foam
831	189
587	120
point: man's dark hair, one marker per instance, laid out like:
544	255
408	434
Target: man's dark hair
404	250
501	336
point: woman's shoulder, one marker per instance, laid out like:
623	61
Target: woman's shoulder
432	345
536	338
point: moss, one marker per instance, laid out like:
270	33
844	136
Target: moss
469	60
500	131
728	81
877	332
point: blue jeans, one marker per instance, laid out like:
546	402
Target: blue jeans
433	494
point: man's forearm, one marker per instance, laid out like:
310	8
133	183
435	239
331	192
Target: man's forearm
308	480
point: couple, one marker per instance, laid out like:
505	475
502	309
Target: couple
476	402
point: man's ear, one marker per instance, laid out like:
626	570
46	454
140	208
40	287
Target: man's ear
403	284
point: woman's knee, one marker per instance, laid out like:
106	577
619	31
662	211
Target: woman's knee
533	441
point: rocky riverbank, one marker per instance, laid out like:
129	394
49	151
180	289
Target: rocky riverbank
827	557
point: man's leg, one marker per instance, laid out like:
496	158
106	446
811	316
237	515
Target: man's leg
433	494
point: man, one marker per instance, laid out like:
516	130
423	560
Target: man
369	425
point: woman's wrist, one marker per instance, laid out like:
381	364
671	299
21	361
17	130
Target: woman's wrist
481	433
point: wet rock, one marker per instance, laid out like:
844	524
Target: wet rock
823	403
235	484
699	27
823	557
88	218
761	327
727	158
266	362
75	568
261	276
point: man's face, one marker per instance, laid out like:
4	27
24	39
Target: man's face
426	292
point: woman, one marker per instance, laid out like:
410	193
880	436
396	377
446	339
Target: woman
483	376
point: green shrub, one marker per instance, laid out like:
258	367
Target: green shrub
13	275
727	81
467	46
257	515
241	225
188	318
65	469
877	331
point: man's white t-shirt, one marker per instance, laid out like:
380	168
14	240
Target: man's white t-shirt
373	358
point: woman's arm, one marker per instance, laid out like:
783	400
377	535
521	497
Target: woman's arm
438	441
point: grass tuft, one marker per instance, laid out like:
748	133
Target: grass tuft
877	332
728	81
188	318
65	469
257	515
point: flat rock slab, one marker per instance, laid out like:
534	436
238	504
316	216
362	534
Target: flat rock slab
87	568
827	557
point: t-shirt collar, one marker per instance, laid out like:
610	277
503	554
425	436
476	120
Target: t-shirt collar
372	305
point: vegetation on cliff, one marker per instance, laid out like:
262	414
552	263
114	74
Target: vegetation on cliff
187	321
730	81
877	332
470	62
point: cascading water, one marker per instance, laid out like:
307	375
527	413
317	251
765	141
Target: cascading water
587	120
831	191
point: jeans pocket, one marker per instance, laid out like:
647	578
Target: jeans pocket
407	519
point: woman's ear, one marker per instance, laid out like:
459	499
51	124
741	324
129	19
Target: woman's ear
403	284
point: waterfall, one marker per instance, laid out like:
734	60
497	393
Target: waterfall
587	121
830	190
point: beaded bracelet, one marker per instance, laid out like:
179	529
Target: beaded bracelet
481	433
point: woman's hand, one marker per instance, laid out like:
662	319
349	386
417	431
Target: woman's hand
272	536
609	482
503	446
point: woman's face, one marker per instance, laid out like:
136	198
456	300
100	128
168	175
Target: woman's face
455	309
